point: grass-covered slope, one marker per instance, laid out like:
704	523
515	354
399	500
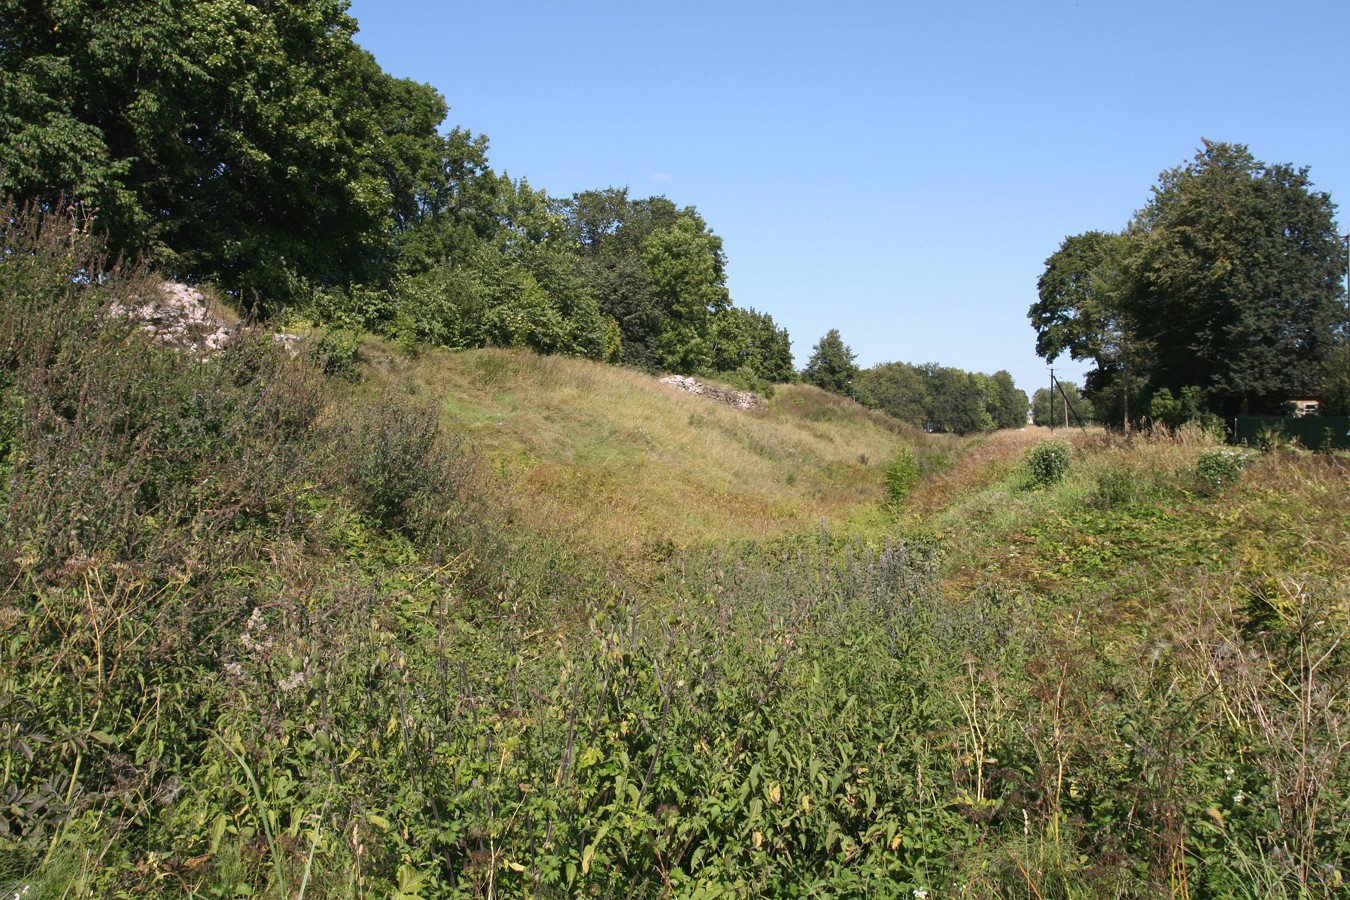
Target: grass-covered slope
265	633
632	465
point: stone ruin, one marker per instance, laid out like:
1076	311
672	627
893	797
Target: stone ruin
181	318
734	399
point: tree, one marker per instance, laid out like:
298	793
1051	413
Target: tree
1239	278
1006	405
832	365
751	342
655	269
956	400
1069	406
1083	311
251	143
1227	282
897	389
688	275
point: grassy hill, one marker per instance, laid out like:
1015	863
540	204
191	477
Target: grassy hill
498	625
631	465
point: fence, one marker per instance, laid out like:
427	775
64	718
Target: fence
1312	432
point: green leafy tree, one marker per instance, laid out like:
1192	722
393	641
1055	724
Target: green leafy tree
897	389
956	400
1227	281
1239	276
832	365
1069	405
750	341
1006	405
687	270
654	269
1335	388
1083	310
249	142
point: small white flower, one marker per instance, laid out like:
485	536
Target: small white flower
920	894
291	682
1239	797
1228	773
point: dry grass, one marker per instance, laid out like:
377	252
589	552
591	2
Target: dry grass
635	467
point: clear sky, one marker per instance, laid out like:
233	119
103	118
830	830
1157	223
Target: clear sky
897	170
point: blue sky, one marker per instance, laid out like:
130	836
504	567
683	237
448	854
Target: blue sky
899	171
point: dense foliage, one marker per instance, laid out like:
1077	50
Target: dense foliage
832	366
1066	405
1228	282
257	146
942	398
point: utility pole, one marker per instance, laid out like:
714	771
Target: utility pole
1052	399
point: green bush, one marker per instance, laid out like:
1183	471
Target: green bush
1048	463
1218	468
387	447
902	475
337	352
1115	488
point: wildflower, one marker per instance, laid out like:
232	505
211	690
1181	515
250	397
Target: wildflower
1239	797
256	626
291	682
920	894
1228	773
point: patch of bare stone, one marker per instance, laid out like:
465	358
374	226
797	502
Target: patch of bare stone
735	399
180	317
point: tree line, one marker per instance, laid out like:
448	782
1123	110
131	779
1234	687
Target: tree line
1221	296
937	398
257	146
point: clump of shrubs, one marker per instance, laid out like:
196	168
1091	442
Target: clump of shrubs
1048	463
1215	469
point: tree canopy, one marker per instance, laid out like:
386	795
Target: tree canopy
250	143
1227	282
255	145
943	398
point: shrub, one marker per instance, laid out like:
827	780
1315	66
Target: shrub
1115	488
1048	463
386	447
337	352
902	474
1216	468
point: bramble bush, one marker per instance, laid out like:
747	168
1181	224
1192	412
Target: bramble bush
902	475
1217	468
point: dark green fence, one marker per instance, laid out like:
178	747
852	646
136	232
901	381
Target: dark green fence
1312	432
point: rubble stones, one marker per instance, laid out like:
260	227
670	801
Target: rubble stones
735	399
180	318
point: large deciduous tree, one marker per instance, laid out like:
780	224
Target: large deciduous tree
1239	279
749	341
1227	282
246	141
897	389
1006	403
657	270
